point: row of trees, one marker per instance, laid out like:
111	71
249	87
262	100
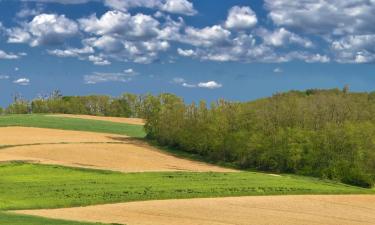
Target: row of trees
126	105
322	133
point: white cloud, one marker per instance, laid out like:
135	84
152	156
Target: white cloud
26	12
44	29
283	37
210	85
333	17
5	55
71	52
98	60
124	37
22	81
277	70
123	24
130	72
186	53
99	77
241	18
207	37
179	7
183	7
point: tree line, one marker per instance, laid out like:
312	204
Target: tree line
323	133
126	105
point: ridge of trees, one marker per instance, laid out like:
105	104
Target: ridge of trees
322	133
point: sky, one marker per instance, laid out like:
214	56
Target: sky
198	49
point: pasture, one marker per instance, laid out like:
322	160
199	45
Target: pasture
52	163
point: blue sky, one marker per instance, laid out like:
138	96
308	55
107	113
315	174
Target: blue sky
202	49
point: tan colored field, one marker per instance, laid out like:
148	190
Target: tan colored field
30	135
135	121
261	210
126	155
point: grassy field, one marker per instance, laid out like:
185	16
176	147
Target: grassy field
14	219
42	121
31	186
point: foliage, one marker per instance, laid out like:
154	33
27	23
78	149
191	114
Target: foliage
45	186
127	105
322	133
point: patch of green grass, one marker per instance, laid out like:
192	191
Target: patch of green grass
32	186
14	219
62	123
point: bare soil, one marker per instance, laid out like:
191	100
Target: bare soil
259	210
30	135
135	121
111	152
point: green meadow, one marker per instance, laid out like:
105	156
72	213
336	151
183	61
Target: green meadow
14	219
43	121
32	186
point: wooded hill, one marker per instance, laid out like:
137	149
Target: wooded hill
322	133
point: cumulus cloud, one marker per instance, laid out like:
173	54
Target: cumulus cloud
323	17
241	18
183	7
120	23
125	37
283	37
44	29
98	60
71	52
209	36
179	7
99	77
186	53
209	84
5	55
22	81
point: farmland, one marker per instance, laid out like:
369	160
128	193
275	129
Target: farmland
52	163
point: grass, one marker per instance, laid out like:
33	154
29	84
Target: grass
14	219
32	186
43	121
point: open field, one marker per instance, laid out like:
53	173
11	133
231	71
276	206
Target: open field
10	136
43	121
124	157
16	219
134	121
260	210
33	186
91	150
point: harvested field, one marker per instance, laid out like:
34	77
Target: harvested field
125	155
30	135
260	210
135	121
